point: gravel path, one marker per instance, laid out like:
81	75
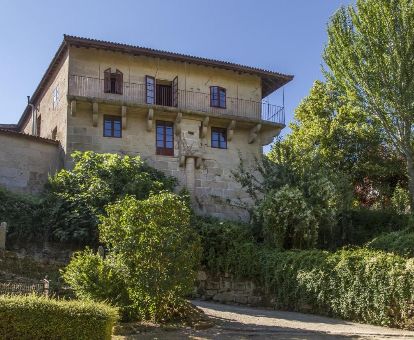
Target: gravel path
236	322
270	323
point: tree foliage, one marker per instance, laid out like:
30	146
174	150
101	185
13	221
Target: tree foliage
152	260
76	197
344	139
288	221
369	55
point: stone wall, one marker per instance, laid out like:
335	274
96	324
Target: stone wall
227	289
26	161
52	107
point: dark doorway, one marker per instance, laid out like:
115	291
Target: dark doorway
163	95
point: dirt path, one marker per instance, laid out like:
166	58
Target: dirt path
236	322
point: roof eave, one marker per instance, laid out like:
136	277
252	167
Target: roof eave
276	79
43	82
272	80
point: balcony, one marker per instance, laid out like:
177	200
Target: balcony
133	93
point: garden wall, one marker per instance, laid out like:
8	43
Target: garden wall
226	289
26	161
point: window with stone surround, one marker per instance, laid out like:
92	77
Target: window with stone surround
219	138
112	126
165	138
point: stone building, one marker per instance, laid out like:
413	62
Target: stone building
191	117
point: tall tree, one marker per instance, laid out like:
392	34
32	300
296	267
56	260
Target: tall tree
345	140
370	54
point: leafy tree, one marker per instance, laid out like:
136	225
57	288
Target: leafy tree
305	186
400	200
288	221
153	255
76	197
345	140
370	58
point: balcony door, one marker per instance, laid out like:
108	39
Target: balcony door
163	95
161	92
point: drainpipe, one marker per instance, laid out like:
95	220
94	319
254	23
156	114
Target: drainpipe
34	127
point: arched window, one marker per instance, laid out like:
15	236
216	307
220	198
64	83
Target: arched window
113	82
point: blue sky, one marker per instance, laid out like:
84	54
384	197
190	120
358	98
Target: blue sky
281	35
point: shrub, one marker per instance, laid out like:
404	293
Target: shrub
359	226
225	244
153	257
22	214
94	278
76	197
34	317
288	222
357	284
398	242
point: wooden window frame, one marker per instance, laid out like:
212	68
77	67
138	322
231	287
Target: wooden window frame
118	78
219	130
112	119
219	103
154	86
164	151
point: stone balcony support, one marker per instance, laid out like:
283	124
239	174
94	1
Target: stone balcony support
254	133
150	119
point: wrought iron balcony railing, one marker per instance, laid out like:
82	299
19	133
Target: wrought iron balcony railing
134	93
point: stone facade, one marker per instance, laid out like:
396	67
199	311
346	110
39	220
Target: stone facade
215	191
71	103
26	161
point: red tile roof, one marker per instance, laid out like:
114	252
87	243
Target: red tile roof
25	135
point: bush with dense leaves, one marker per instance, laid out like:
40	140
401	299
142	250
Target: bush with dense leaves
288	221
34	317
356	284
398	242
359	226
152	261
23	214
225	244
76	197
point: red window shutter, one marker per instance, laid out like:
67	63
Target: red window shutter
119	82
107	80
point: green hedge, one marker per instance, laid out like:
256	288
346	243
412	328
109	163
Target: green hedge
356	227
398	242
34	317
357	284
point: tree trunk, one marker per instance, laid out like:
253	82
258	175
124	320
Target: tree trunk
410	173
